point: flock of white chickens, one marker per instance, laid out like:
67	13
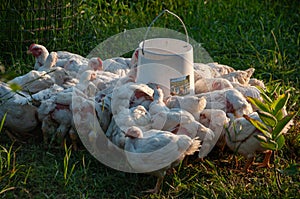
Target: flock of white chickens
135	117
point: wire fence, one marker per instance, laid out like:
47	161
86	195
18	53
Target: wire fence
40	21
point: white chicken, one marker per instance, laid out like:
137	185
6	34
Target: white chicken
220	68
49	63
217	121
155	151
40	53
247	90
129	95
158	104
56	111
21	120
59	75
239	76
204	71
76	69
135	116
56	119
95	63
84	117
229	100
39	96
206	85
104	113
86	84
134	59
241	138
105	79
181	122
192	104
117	65
33	81
72	65
56	115
256	82
62	78
107	82
115	134
64	57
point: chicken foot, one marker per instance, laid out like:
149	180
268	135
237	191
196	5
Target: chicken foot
74	138
157	186
266	161
248	164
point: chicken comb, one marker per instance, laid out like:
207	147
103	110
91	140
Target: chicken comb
31	46
99	60
136	54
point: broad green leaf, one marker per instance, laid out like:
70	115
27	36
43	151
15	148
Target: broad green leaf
267	118
259	104
259	125
279	115
269	145
282	124
2	121
280	141
261	138
15	87
279	103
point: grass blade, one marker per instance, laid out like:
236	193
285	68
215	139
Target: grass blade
275	89
2	121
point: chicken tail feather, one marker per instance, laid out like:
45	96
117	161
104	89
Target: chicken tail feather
193	147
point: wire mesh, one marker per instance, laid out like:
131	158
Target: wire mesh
40	21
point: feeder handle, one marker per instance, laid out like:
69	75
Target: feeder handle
168	11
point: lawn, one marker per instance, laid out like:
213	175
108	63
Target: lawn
264	35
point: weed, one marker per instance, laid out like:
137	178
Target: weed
67	171
11	173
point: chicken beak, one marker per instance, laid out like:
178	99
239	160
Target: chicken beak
28	52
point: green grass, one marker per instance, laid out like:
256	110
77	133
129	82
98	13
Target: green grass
41	175
260	34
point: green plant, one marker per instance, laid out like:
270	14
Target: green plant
67	173
10	170
275	121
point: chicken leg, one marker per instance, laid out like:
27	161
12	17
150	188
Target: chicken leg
266	161
74	139
248	164
157	186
